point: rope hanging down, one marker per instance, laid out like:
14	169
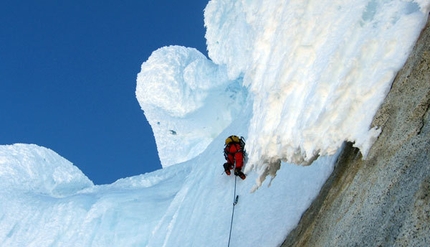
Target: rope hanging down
235	200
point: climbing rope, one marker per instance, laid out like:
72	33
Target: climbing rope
235	199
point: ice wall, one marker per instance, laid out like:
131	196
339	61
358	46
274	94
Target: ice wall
187	99
317	71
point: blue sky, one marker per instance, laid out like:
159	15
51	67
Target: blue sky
68	77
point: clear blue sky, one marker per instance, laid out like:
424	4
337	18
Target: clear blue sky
68	76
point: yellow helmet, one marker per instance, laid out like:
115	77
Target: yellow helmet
231	139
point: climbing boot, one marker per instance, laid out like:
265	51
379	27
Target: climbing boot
239	173
227	168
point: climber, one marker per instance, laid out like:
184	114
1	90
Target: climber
234	153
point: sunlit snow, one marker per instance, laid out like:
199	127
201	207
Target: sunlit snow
296	78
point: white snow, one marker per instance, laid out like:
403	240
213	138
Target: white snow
188	100
296	78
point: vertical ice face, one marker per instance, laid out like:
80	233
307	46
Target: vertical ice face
317	71
187	99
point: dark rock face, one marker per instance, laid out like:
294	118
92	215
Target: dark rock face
385	199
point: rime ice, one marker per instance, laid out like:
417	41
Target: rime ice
295	78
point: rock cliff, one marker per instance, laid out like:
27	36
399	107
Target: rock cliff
385	199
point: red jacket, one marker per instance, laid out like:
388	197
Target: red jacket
234	154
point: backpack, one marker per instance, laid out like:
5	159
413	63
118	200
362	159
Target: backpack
235	139
232	139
